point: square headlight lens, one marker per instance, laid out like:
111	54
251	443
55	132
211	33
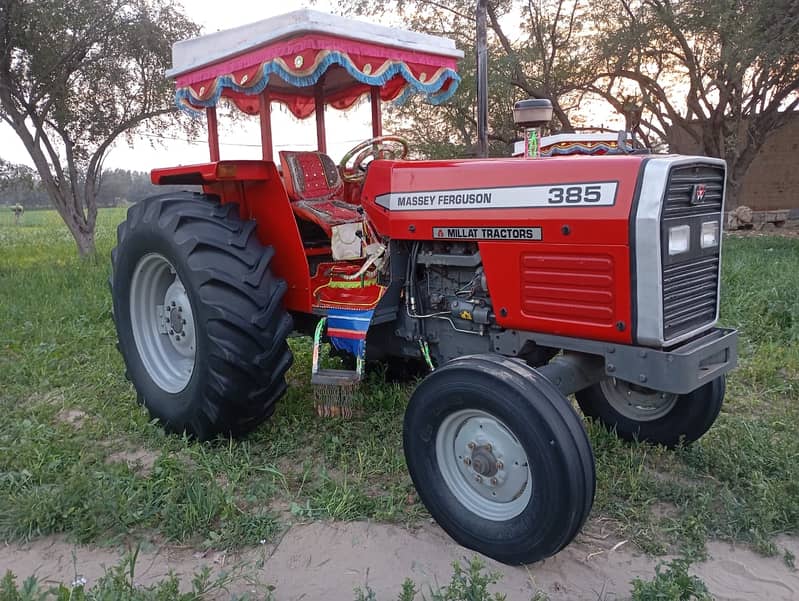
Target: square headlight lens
710	234
679	239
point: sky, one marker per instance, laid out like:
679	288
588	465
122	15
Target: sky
344	128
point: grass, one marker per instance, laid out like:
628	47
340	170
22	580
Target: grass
69	422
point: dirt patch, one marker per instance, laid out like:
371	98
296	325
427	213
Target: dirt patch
140	461
74	417
327	560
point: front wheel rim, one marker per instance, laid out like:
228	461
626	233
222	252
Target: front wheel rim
162	321
483	465
635	402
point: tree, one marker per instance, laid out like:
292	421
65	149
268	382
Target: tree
75	75
19	184
548	60
710	76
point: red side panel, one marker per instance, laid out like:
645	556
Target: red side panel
569	290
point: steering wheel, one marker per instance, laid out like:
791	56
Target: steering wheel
381	147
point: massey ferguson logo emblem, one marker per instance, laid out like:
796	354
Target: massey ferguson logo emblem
698	194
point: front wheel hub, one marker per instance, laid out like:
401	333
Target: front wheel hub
483	464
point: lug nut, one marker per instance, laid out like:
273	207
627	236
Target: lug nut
171	332
500	465
467	461
471	445
493	481
478	478
173	303
180	309
489	447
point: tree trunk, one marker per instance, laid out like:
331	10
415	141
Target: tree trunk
84	237
733	194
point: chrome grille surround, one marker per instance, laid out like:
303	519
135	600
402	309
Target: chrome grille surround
663	314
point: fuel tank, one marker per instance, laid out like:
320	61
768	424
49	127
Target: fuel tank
554	234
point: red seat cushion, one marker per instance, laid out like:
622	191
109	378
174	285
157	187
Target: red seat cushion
326	213
310	175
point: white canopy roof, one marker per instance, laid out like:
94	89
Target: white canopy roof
192	54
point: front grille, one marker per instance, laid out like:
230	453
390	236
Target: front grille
690	279
680	190
690	295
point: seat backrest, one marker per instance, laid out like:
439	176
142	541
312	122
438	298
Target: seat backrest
310	175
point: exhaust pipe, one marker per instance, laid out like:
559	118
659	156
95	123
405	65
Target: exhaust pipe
482	80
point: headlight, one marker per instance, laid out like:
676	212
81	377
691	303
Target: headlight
710	234
679	239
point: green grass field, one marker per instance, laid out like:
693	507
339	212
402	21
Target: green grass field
79	456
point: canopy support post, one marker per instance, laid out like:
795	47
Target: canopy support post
319	104
377	116
265	113
482	80
213	133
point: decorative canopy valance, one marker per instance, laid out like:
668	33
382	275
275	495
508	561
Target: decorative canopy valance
305	53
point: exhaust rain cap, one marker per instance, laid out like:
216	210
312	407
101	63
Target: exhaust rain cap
534	112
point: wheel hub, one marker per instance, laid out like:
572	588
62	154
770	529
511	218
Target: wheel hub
176	320
162	321
483	464
637	402
483	461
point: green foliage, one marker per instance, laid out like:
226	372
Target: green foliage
672	584
469	584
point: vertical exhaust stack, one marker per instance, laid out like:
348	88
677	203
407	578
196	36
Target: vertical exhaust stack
482	80
531	115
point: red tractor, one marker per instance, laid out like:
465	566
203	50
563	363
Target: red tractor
515	282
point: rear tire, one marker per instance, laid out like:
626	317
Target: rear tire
499	458
199	315
636	413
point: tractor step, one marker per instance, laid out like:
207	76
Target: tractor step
335	377
334	390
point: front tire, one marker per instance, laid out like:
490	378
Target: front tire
636	413
199	315
499	458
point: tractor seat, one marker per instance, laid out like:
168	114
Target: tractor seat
314	187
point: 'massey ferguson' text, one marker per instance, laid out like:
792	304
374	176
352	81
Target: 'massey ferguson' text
444	200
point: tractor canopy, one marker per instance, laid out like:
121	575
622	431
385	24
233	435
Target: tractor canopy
304	55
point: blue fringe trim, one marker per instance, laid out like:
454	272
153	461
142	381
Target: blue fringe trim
432	91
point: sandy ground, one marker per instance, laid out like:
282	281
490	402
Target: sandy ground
328	560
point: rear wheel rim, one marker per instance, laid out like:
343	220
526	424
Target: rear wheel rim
483	465
162	321
636	402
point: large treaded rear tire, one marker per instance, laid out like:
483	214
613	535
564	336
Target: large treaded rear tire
481	411
241	326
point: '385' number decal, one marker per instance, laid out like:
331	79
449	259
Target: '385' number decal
579	194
